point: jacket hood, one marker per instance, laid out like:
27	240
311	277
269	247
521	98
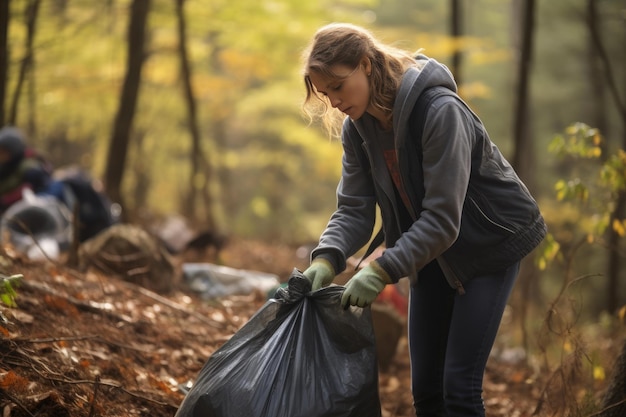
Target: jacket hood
414	82
430	73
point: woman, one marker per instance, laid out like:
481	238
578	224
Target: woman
456	218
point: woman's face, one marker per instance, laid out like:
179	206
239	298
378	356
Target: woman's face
349	92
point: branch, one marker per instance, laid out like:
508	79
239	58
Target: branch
16	402
599	413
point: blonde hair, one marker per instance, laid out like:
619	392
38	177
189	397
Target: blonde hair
347	44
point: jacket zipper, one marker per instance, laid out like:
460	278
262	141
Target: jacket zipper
489	219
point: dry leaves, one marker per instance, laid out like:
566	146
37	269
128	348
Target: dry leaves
87	344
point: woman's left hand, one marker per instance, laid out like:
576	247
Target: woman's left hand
363	288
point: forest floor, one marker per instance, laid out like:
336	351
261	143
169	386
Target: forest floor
83	343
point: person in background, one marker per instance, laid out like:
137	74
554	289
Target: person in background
456	218
23	168
20	168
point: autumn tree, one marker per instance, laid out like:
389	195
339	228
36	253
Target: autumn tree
200	170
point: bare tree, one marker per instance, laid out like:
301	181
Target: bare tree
4	54
120	137
456	31
614	240
597	82
200	170
32	10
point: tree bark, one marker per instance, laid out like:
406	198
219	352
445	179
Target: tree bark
120	137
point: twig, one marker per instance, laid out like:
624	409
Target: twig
105	383
75	338
598	413
95	395
56	339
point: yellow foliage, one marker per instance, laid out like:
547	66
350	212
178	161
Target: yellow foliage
567	347
260	207
161	71
622	313
475	90
243	66
598	373
561	190
597	139
619	227
490	56
595	152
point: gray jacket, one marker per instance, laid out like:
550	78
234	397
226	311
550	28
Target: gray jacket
471	211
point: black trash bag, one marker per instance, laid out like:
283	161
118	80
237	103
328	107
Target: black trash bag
300	355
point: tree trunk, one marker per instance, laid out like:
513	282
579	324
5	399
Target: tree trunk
32	10
4	55
597	83
523	150
523	146
120	137
199	178
615	261
456	31
141	174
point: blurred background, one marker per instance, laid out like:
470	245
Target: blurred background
193	108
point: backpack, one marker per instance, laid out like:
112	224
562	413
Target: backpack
94	208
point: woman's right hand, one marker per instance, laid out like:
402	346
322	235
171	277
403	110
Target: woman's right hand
321	273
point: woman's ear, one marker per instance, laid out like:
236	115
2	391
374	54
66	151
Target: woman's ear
367	66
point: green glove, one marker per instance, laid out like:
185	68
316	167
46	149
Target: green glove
321	273
363	288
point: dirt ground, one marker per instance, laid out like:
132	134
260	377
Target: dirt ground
84	343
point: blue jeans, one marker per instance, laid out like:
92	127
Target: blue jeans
450	338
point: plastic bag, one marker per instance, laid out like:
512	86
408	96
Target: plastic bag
300	355
213	281
37	225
